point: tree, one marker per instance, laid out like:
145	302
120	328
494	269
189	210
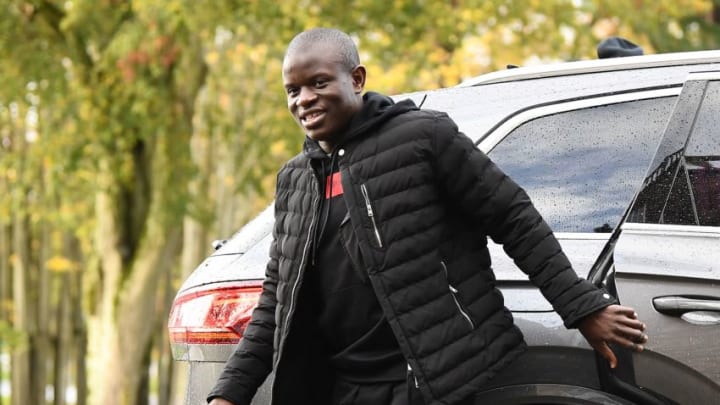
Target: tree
133	92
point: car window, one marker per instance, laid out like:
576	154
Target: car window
684	188
704	178
702	159
581	167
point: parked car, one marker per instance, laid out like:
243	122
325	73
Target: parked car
622	158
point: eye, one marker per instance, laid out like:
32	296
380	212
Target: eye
320	83
291	91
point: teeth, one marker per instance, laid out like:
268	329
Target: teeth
311	116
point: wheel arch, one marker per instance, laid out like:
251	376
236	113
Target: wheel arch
569	375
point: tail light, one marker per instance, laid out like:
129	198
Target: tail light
215	315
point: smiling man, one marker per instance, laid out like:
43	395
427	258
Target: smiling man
379	288
324	89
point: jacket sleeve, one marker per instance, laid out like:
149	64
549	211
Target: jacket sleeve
503	211
250	364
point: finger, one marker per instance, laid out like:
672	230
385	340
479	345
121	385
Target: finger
636	347
629	343
632	323
634	335
607	353
621	309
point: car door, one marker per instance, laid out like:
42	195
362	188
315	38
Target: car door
667	257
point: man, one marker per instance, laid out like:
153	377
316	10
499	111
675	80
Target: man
379	288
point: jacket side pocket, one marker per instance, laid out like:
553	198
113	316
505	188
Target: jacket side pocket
453	293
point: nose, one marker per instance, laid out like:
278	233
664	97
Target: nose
306	97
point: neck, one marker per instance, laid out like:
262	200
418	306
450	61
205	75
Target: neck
327	147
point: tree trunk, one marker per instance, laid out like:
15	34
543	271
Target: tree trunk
41	339
102	333
63	346
24	384
165	363
80	339
69	328
23	390
121	334
4	286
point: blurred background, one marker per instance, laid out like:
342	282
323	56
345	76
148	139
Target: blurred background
133	133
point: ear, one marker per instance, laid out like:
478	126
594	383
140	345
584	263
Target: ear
358	77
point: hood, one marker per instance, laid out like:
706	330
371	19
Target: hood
376	110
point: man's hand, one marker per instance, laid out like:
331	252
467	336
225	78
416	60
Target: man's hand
613	324
220	401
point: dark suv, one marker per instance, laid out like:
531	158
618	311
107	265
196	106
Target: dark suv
622	158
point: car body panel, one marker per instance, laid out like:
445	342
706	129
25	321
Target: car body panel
204	374
242	257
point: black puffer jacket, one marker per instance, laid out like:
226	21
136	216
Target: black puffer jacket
422	200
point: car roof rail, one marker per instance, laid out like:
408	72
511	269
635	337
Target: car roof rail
593	66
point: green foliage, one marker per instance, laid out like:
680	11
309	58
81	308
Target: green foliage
661	26
11	338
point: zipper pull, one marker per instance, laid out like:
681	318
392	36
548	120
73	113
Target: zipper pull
371	214
410	372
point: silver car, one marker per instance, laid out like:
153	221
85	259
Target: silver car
622	158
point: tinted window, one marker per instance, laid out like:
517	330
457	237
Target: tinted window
648	207
704	178
705	138
679	205
684	188
702	159
582	167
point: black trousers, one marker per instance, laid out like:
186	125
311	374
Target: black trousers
382	393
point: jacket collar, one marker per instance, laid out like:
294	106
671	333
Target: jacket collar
376	110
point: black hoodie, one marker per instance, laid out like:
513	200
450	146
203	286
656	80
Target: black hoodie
359	342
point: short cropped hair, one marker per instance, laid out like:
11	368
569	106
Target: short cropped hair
340	41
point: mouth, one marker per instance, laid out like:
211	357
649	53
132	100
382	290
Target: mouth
311	119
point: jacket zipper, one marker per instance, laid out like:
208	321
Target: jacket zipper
412	373
316	199
371	214
453	292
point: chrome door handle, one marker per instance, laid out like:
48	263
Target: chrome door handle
702	317
697	310
676	305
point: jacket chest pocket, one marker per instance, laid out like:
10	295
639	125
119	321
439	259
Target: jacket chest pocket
349	241
370	212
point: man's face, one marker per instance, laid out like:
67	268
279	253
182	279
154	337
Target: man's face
322	94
